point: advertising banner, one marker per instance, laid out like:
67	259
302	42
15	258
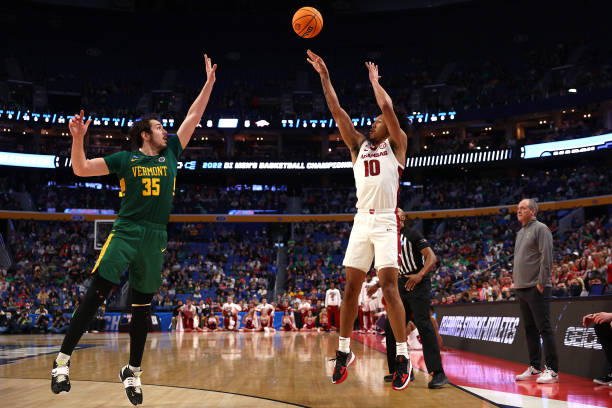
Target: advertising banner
496	329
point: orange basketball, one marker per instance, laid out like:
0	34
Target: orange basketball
307	22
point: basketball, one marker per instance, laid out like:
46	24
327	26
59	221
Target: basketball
307	22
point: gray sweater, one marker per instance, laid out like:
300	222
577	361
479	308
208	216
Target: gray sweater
533	254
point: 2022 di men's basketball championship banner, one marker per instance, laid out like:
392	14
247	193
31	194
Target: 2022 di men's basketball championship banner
496	329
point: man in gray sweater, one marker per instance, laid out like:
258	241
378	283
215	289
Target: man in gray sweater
532	273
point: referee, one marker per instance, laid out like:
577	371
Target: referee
418	260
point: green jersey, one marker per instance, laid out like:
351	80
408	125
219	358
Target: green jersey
147	182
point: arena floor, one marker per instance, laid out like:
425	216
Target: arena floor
260	370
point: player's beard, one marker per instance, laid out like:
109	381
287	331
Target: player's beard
374	141
158	147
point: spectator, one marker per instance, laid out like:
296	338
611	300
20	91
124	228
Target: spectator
60	323
5	318
42	324
596	286
603	330
41	310
23	322
98	324
560	291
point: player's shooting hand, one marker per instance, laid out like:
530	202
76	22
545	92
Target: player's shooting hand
317	63
602	317
210	70
77	127
373	71
412	281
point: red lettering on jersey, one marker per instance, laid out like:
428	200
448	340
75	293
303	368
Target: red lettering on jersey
365	156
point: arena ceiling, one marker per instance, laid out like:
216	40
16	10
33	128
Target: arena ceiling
339	6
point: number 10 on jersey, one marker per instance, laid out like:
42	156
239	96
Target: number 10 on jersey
372	167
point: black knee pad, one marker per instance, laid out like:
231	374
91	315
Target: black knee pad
141	314
139	298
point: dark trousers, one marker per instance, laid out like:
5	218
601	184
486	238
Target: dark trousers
535	310
604	335
416	303
334	315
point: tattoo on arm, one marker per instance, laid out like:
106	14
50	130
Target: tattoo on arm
328	91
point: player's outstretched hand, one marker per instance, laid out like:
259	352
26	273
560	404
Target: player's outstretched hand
317	63
373	71
77	127
210	70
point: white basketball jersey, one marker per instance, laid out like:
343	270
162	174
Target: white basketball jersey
377	176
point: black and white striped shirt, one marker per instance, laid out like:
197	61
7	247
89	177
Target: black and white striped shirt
412	243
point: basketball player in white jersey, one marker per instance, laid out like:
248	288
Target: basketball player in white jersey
378	162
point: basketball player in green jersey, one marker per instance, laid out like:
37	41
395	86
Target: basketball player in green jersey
138	238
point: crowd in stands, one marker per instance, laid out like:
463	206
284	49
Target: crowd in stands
482	139
49	271
281	85
525	74
432	142
445	143
438	83
8	200
569	129
547	185
52	264
210	261
211	200
457	191
477	258
210	264
194	199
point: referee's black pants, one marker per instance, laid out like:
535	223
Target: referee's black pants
416	303
535	310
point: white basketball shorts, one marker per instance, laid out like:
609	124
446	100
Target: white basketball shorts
375	235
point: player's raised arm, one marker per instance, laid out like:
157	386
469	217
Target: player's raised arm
199	105
397	135
351	137
80	165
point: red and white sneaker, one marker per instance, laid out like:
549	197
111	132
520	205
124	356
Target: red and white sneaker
343	361
401	377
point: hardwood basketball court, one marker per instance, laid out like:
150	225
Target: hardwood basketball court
211	370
